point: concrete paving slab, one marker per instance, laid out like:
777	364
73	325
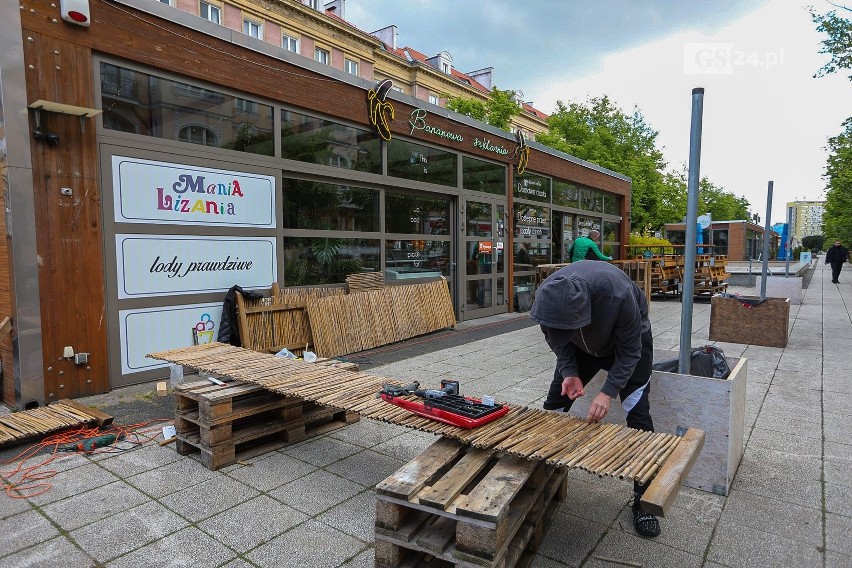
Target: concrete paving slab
367	468
54	552
75	481
767	514
570	539
407	446
838	533
837	560
367	433
174	476
143	458
24	530
125	531
737	547
790	444
837	427
93	505
650	553
271	470
596	500
320	451
316	492
187	547
838	498
12	506
355	517
365	559
784	425
309	545
208	498
252	523
689	526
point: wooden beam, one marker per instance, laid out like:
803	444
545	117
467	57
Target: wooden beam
661	493
102	418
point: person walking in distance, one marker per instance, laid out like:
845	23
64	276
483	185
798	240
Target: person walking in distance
595	317
836	256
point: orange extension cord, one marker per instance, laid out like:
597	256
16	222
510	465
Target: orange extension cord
32	478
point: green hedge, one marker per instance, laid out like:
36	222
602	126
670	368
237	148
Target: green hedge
640	244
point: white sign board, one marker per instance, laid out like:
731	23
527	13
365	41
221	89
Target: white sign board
154	265
145	191
149	330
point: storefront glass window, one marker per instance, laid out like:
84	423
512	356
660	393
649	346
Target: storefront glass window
329	207
532	221
144	104
421	163
591	200
319	141
530	255
532	187
478	217
326	260
479	294
479	175
587	224
610	204
565	194
416	259
610	232
416	215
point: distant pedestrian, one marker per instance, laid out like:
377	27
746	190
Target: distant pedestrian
586	248
836	256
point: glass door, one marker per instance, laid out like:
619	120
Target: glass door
483	274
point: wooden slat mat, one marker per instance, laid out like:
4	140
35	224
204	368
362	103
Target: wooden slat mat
22	426
557	438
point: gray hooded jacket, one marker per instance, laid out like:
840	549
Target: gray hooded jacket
595	307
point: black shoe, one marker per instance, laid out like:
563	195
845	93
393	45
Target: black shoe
645	524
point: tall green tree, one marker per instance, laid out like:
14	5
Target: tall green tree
713	200
599	131
838	44
837	218
497	111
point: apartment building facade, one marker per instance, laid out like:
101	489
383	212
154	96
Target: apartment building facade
805	218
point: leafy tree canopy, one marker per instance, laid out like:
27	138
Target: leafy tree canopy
838	44
713	200
497	111
837	218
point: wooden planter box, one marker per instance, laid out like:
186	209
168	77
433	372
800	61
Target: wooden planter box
679	402
765	324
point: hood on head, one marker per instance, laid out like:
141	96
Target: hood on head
562	301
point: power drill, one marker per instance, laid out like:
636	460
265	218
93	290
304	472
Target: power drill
92	443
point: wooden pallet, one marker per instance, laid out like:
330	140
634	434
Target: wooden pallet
237	421
458	506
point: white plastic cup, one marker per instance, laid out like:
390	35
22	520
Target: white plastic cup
488	400
309	356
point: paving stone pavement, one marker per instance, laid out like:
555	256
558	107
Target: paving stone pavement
312	504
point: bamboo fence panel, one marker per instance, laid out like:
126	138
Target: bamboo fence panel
21	426
558	438
363	281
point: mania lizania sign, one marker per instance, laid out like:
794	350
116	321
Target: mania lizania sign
381	110
147	191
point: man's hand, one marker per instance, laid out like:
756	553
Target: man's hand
599	407
572	387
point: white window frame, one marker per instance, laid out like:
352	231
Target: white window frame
434	99
287	41
167	2
351	67
211	10
445	67
322	55
249	24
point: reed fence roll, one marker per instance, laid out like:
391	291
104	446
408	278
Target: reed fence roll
557	438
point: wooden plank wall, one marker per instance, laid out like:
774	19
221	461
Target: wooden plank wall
68	228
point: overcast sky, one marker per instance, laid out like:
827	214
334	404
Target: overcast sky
765	116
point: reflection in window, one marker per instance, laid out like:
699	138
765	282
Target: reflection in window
565	194
479	175
211	12
610	204
173	110
321	55
416	214
421	163
198	135
253	29
530	255
479	294
479	258
316	140
585	225
591	200
326	260
329	207
351	67
478	216
416	259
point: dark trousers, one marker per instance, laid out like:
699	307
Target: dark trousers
639	416
835	271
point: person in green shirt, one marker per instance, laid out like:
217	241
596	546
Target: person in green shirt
585	248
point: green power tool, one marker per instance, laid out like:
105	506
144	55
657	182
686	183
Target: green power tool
90	444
